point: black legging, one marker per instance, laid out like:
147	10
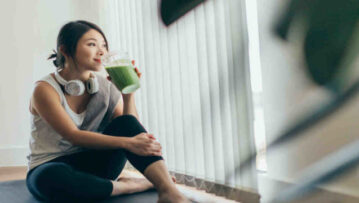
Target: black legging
85	176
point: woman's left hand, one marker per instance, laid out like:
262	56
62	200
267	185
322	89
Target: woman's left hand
136	70
139	76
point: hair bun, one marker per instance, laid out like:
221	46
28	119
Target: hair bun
55	63
54	55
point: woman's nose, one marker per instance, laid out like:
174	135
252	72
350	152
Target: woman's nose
101	52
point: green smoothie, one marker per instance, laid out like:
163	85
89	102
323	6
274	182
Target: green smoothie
124	77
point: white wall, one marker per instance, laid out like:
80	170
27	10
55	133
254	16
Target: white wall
288	94
28	35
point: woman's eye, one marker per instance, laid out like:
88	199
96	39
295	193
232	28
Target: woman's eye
92	44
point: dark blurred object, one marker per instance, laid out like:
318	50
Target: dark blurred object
329	26
331	43
330	30
171	10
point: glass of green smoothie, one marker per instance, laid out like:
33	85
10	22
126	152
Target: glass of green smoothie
118	65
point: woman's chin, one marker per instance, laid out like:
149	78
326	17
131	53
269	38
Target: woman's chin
97	68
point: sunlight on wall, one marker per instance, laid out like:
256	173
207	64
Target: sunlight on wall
256	83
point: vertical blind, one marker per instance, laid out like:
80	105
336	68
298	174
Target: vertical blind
195	95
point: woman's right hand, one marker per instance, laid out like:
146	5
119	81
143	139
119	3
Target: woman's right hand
144	144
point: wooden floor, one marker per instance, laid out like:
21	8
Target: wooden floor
13	173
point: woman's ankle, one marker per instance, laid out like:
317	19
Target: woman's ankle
169	189
129	185
172	196
120	188
115	189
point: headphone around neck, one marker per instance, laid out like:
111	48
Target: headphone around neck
77	87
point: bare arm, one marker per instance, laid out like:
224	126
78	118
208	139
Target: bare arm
118	109
129	106
47	104
125	107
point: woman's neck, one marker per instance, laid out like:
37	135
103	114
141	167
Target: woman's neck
73	73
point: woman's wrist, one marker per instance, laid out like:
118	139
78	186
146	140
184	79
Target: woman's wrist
128	97
129	105
125	142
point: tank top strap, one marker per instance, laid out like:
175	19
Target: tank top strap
50	80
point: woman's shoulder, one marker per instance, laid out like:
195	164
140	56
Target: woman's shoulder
47	79
43	91
44	86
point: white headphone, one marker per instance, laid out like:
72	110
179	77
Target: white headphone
77	87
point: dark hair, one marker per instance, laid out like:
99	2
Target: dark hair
69	36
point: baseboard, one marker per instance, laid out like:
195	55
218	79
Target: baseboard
13	156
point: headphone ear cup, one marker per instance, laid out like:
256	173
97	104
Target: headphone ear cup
75	87
92	85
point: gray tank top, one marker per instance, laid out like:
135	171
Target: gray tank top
46	144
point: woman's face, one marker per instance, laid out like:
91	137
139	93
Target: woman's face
89	50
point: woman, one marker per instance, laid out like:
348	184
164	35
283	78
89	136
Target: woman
83	133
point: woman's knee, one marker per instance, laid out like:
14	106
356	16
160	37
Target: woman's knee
125	125
44	178
125	118
51	172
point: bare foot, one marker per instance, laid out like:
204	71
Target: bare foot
141	183
128	185
172	197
